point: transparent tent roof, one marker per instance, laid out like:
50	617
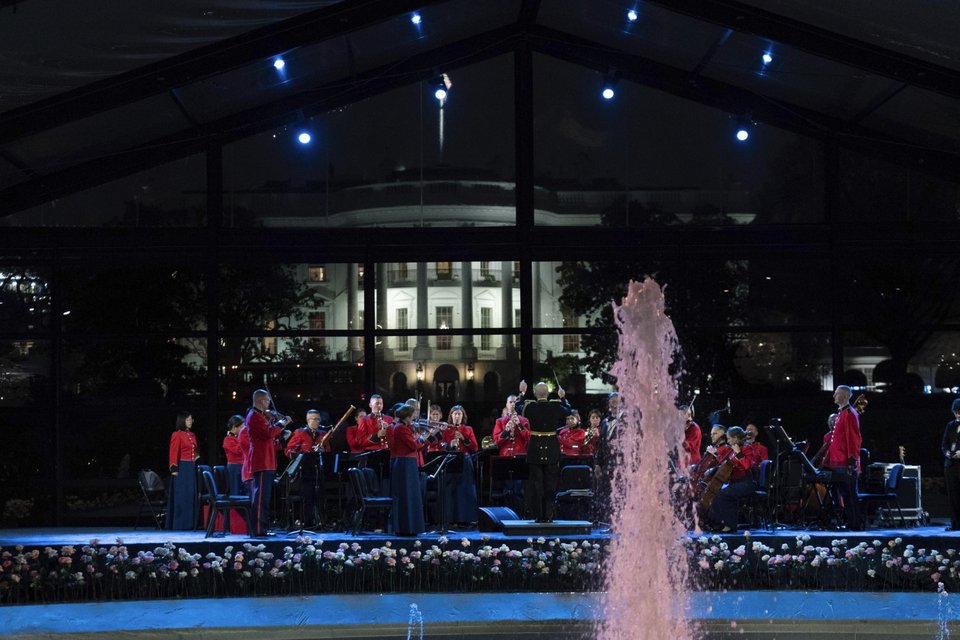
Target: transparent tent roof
84	98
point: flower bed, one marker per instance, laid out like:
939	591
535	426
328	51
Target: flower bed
93	572
866	566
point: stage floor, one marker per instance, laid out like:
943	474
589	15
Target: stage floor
40	537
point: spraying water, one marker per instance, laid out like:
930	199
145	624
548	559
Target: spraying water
647	570
415	624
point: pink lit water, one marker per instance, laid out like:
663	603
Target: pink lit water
645	582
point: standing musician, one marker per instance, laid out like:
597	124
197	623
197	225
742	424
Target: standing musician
843	455
406	516
692	437
265	427
511	432
577	442
306	441
543	451
370	432
460	488
950	447
182	501
743	459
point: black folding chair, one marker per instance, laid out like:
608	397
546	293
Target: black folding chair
154	497
574	490
218	503
360	481
887	497
760	501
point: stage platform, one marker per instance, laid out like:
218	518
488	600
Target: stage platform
521	530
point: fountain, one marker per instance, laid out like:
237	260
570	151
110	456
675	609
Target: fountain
646	593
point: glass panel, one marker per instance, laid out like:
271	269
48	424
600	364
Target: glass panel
303	373
937	363
283	297
24	298
433	165
465	374
24	373
450	285
650	158
873	190
170	195
27	468
135	297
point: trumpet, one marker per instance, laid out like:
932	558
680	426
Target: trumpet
512	425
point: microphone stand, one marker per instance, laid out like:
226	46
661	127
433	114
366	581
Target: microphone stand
441	485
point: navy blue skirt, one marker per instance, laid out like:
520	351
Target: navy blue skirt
235	474
406	516
460	494
182	501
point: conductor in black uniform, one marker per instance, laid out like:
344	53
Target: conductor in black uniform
546	418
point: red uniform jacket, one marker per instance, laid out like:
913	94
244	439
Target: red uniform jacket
468	444
762	452
183	446
263	452
572	442
744	464
243	438
691	443
302	441
845	440
517	446
403	443
231	446
359	437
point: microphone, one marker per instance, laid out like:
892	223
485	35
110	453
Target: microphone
728	405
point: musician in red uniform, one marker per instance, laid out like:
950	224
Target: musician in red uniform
744	459
843	456
306	441
234	453
264	429
406	516
370	432
459	487
692	436
575	441
182	502
753	435
511	432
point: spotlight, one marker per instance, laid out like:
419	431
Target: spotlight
632	15
608	93
440	94
279	64
416	19
304	137
767	58
742	134
441	87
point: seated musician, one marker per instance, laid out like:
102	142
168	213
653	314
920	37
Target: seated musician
753	435
511	433
371	430
575	441
307	441
744	459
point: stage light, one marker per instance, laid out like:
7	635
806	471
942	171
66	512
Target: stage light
608	93
416	19
742	134
440	94
632	15
441	87
304	137
279	64
767	58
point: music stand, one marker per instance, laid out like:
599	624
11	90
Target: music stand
448	462
508	469
781	444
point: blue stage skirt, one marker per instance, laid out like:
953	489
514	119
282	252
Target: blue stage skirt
182	500
235	474
406	516
460	494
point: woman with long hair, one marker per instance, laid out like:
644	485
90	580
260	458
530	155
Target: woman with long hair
182	499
